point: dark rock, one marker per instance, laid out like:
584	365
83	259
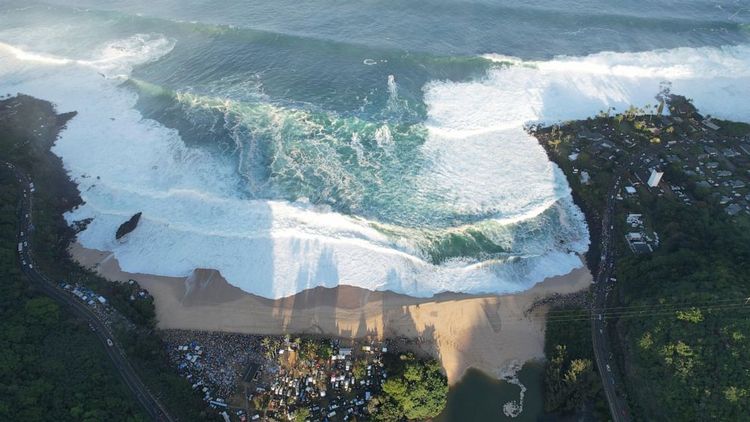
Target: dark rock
128	226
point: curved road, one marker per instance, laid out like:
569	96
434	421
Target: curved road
149	403
617	405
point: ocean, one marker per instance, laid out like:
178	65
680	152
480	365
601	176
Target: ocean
378	144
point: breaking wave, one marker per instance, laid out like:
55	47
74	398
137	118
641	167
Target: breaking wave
291	197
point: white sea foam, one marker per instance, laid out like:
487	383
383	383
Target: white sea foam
576	87
482	160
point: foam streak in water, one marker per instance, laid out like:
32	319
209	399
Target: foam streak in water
479	161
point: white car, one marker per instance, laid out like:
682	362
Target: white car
109	342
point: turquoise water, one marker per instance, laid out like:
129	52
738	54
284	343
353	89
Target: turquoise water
374	143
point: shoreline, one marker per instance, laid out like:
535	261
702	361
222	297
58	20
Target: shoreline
486	332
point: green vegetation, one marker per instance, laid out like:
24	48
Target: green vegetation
302	414
729	128
689	363
317	349
84	379
51	366
360	369
683	347
415	390
571	382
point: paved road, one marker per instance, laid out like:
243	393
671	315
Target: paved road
150	404
617	405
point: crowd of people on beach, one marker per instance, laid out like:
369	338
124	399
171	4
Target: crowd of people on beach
212	361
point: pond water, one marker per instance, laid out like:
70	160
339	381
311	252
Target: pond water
479	397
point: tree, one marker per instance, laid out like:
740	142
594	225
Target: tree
301	415
269	347
360	369
419	390
568	383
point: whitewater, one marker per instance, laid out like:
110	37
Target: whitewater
478	159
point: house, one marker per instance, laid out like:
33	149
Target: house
637	243
738	184
730	153
711	151
640	247
710	124
733	209
634	220
585	133
703	184
344	352
655	178
634	236
585	178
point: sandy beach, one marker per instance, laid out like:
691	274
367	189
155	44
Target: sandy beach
486	332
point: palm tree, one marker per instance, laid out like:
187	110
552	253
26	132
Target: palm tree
268	347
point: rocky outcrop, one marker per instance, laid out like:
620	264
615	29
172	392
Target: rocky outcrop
128	226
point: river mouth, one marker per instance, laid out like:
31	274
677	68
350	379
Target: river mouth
480	398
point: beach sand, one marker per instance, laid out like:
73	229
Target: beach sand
485	332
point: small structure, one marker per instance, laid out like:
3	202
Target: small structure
711	151
655	178
638	239
730	153
585	178
733	209
344	352
634	220
710	124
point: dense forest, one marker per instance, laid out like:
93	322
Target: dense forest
63	366
51	366
572	386
689	362
680	330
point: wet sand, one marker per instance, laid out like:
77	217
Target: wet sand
484	332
